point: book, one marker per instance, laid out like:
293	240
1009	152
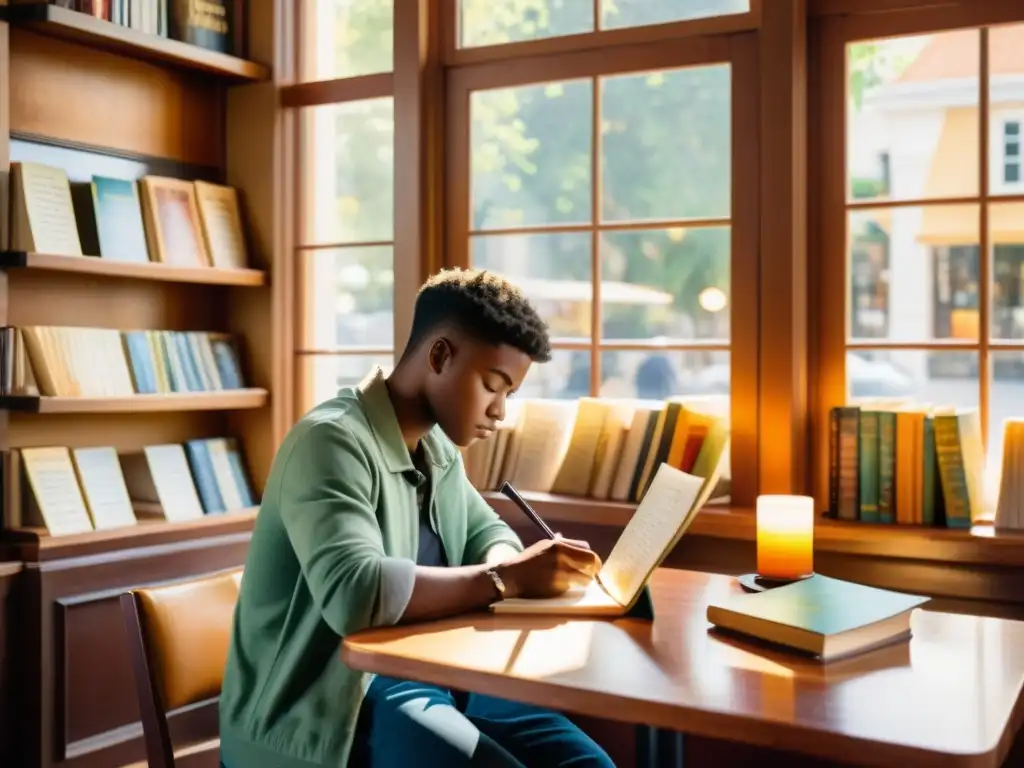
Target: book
668	508
117	210
42	211
821	617
54	489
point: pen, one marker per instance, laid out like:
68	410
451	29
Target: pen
526	509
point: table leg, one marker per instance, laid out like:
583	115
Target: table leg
658	748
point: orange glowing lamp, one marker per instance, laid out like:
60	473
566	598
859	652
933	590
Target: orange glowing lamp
785	537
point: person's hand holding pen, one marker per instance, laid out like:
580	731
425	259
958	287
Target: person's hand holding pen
550	566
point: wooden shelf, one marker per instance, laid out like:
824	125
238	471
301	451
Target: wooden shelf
220	400
980	545
36	544
94	265
82	28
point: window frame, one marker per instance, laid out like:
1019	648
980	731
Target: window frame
413	84
834	24
599	39
740	51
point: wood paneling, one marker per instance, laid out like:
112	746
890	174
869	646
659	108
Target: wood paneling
67	91
783	273
123	432
112	303
9	619
72	645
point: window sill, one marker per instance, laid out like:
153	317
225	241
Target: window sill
981	545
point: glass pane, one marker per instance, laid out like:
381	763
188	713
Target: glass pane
658	374
636	13
324	375
666	284
566	376
348	169
912	120
531	155
553	270
939	379
349	294
665	145
492	22
1006	401
1006	110
346	38
914	273
1006	233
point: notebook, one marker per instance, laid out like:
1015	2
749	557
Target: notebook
822	617
671	503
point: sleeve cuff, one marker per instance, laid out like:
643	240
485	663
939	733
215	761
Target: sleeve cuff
397	577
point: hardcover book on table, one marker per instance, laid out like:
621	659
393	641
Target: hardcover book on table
823	617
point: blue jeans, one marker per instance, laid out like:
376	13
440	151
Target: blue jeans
402	723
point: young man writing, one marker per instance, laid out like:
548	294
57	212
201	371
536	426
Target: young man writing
368	519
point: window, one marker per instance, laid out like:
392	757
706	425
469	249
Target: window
1011	140
346	38
345	234
934	256
625	224
492	22
607	196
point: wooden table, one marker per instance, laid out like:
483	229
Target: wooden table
951	696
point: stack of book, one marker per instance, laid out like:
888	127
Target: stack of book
598	448
904	463
154	219
102	362
76	490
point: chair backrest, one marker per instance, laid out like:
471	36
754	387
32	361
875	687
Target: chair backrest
178	635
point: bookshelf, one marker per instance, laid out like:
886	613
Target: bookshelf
233	400
182	112
55	21
46	262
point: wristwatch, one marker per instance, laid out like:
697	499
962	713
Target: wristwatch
498	583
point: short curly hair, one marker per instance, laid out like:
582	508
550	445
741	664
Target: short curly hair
483	304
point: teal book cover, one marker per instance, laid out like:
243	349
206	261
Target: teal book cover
119	219
824	605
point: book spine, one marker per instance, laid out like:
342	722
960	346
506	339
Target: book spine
868	461
952	472
930	473
833	462
887	467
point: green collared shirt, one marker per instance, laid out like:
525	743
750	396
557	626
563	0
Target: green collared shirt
333	551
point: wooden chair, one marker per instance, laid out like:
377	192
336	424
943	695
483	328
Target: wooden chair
179	636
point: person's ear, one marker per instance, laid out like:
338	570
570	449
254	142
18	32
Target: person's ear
439	356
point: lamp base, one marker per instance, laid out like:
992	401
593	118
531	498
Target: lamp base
751	582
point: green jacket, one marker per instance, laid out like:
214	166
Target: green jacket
333	551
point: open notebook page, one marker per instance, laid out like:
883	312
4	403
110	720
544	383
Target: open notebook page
666	508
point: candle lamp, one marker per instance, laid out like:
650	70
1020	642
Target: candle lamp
785	542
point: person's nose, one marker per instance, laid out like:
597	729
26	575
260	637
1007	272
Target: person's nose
496	410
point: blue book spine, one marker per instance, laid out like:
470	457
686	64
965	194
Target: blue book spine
206	480
141	361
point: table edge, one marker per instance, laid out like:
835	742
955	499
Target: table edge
699	721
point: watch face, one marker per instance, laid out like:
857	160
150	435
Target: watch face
498	583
